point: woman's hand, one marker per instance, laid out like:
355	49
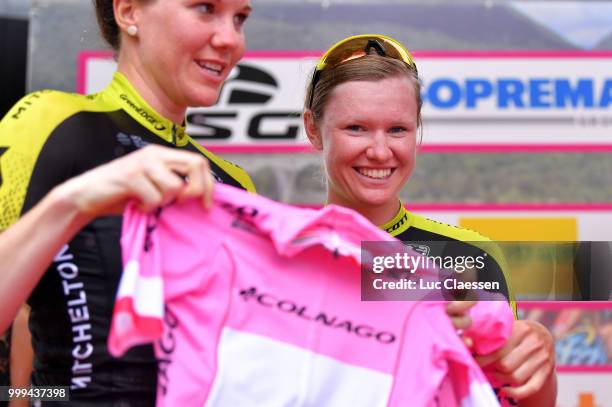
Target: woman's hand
525	365
459	313
154	176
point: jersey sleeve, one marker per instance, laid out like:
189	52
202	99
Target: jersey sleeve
32	160
139	306
435	367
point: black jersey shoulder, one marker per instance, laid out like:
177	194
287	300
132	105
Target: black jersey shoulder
24	132
422	228
465	242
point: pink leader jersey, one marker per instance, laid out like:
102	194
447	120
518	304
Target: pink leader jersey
257	303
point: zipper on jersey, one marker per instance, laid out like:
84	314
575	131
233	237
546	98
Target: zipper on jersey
174	134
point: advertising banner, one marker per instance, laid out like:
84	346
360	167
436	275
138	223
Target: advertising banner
480	100
583	342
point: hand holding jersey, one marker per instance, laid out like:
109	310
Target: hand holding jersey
525	363
151	176
459	313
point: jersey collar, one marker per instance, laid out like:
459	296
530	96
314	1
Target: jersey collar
399	223
131	102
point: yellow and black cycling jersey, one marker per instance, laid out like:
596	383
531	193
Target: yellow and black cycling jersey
423	234
45	139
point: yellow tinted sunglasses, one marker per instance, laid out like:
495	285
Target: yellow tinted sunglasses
358	46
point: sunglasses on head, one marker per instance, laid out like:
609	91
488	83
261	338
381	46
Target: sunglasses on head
359	46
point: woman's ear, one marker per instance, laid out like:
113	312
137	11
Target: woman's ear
125	14
312	130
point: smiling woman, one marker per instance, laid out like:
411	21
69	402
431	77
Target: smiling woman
362	112
171	54
369	144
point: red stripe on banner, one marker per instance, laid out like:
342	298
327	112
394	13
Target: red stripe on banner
584	369
512	207
426	149
560	305
515	148
283	54
255	149
489	54
499	207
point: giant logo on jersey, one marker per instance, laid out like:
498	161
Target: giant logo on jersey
245	109
2	151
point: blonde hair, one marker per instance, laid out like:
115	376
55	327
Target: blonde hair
366	68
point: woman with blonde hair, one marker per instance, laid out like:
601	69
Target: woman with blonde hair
363	112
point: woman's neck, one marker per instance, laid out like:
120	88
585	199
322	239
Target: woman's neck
150	91
377	214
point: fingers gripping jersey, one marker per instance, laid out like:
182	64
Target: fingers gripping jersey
45	139
258	303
